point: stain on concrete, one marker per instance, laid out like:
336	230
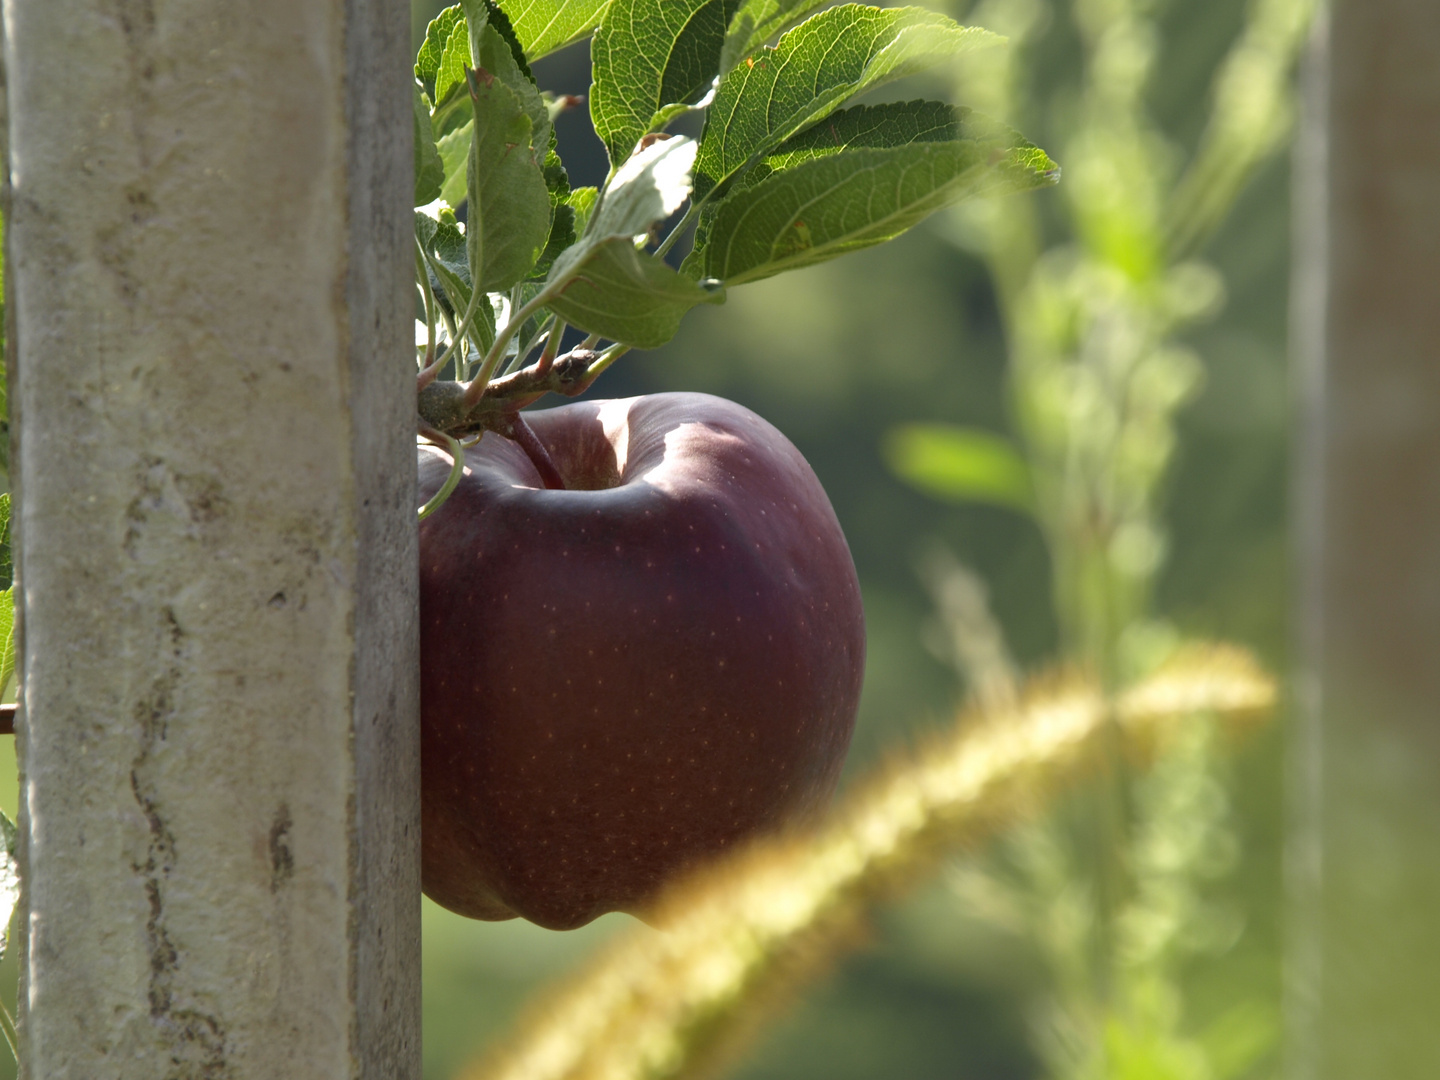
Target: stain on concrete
282	862
196	497
195	1038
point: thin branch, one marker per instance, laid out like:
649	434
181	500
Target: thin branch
442	405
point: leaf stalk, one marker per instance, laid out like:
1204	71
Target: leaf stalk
457	470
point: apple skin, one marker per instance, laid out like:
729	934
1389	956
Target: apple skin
621	679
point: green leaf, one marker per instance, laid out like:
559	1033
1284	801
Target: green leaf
444	241
454	151
495	50
546	25
451	113
647	188
757	22
7	637
562	236
648	55
7	563
960	464
496	17
582	201
563	231
898	123
607	287
454	59
501	22
437	36
429	169
509	204
557	180
850	199
893	124
832	56
624	295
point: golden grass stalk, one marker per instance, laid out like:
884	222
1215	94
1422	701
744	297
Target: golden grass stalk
744	932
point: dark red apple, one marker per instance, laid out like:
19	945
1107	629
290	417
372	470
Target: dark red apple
625	677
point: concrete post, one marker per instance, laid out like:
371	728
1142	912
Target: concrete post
213	388
1364	969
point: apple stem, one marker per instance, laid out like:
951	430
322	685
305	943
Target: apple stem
524	435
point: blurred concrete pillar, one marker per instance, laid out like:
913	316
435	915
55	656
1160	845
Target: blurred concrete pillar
213	389
1364	967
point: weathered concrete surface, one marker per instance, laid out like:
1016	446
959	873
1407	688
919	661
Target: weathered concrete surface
1364	969
211	382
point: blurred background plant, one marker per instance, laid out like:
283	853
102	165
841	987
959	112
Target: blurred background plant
1053	427
1111	893
1093	302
